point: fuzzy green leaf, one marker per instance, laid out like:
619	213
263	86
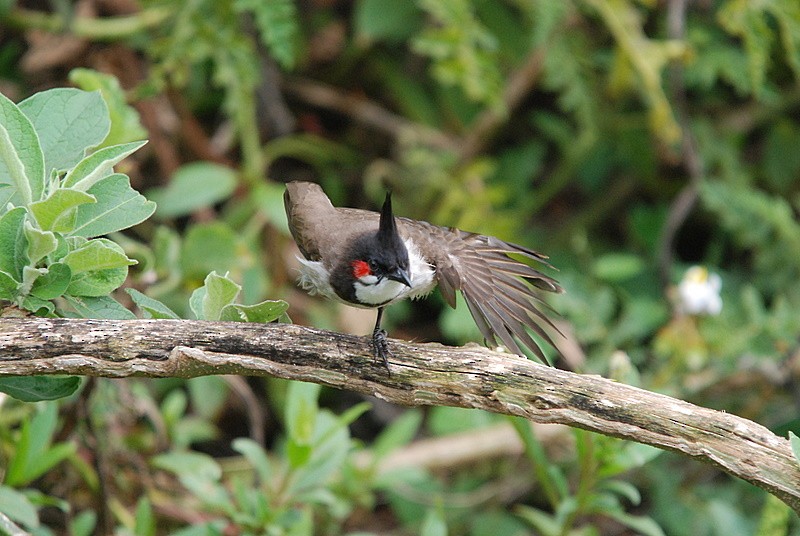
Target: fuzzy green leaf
40	243
98	267
266	311
125	124
69	122
151	307
100	307
58	212
208	301
98	165
53	283
8	287
21	157
97	255
13	244
118	207
37	306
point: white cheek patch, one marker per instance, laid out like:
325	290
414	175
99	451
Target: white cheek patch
368	280
378	293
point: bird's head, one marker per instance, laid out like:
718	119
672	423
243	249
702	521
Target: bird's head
379	264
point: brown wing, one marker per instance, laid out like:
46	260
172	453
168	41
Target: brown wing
500	291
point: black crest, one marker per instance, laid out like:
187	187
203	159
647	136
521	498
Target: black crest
388	236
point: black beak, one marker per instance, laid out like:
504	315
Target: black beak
400	275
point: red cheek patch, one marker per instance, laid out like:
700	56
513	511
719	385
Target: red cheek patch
360	269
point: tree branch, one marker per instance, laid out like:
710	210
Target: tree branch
421	374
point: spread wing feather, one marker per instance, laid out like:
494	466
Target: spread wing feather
501	292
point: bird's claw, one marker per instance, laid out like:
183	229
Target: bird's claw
380	345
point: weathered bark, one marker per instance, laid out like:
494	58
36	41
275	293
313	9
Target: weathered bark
421	374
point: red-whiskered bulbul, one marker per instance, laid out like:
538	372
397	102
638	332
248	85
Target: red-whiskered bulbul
371	260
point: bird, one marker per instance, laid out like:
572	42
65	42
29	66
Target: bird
371	260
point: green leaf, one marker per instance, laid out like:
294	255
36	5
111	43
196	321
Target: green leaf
256	456
277	26
53	282
34	455
38	388
193	186
208	247
18	508
640	524
83	524
145	524
152	307
463	52
329	448
98	267
616	267
38	306
125	123
6	193
208	301
8	287
98	165
795	442
546	524
208	396
57	213
266	311
433	524
40	243
386	19
101	307
400	432
69	122
623	489
300	417
21	158
13	243
118	207
184	463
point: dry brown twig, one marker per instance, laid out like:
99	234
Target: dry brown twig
422	374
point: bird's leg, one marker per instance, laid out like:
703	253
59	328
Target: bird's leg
379	342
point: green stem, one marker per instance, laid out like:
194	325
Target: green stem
535	453
100	29
587	479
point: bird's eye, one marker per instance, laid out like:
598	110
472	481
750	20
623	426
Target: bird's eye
373	265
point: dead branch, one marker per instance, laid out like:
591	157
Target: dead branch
421	374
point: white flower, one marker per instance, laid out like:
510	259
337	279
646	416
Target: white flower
698	292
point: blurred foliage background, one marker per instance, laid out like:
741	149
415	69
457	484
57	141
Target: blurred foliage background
627	139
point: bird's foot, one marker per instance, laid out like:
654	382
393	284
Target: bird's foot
380	345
